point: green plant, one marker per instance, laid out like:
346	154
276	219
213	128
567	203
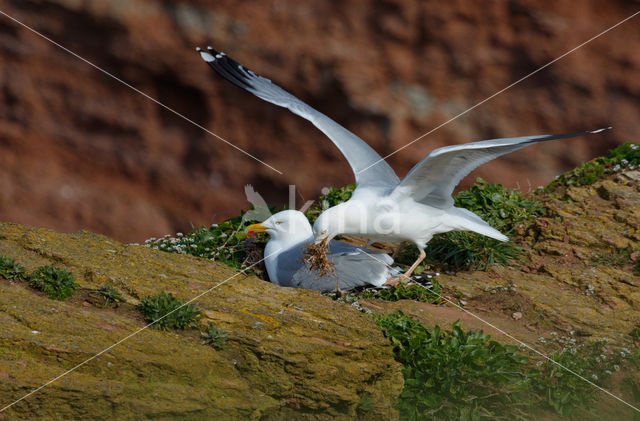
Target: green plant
624	157
365	405
636	267
55	282
412	292
11	270
214	337
225	242
453	375
168	312
333	197
110	294
502	208
562	390
635	333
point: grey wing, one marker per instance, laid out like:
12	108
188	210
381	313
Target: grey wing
351	270
359	155
432	180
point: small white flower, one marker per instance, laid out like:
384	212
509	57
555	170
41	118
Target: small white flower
616	367
594	377
179	234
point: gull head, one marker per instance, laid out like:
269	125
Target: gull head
288	224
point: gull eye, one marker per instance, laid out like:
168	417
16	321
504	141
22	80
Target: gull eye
278	222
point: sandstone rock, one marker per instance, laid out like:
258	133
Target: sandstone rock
291	354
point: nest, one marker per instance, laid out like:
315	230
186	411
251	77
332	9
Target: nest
316	257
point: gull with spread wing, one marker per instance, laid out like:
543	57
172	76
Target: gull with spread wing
382	206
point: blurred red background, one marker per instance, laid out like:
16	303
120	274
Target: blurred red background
79	150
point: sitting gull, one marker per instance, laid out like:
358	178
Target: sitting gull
383	207
291	232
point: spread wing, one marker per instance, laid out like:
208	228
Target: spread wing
432	180
359	155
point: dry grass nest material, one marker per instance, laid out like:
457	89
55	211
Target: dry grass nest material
317	259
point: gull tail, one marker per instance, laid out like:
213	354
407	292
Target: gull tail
469	221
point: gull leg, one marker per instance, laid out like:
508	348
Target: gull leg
405	276
415	264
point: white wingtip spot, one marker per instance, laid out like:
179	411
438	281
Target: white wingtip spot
602	130
207	57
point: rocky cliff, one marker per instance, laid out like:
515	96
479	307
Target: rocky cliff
81	150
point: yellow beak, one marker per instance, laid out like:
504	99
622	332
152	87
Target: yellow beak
256	228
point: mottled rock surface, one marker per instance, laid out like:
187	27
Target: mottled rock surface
291	354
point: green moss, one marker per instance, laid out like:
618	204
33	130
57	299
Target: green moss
56	282
168	312
624	157
11	270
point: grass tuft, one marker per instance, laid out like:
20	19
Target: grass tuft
58	283
153	309
11	270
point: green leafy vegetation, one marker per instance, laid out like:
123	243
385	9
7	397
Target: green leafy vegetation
624	157
453	375
415	292
11	270
563	391
57	283
214	337
225	242
460	375
333	197
160	309
365	404
110	295
636	268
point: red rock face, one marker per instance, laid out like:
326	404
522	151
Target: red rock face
80	150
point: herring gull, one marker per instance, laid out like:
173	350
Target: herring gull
383	207
291	232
